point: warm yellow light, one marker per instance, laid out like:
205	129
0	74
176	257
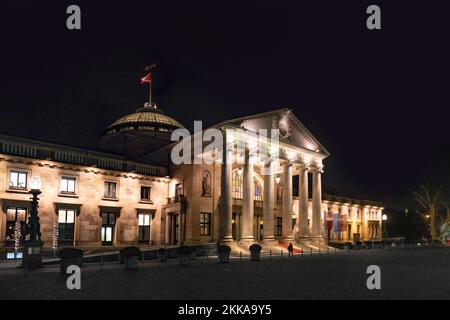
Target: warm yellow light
261	222
36	183
232	221
277	180
384	217
240	171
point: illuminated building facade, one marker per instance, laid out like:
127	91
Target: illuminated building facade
128	192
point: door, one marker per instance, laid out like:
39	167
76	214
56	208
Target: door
178	191
107	232
173	228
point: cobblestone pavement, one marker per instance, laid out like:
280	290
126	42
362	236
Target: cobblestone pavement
419	273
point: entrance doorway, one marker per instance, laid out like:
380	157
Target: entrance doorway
258	227
108	226
173	228
236	226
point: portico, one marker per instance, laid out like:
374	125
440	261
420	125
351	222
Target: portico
286	157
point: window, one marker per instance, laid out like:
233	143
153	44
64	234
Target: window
258	192
144	227
67	185
107	231
358	214
238	187
110	189
358	228
145	193
205	224
66	226
18	179
15	215
278	226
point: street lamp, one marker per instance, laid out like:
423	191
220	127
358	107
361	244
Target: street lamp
384	218
33	247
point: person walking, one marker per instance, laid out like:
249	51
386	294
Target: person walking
291	249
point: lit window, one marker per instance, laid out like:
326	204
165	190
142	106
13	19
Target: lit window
278	226
144	227
110	189
14	216
18	180
145	193
68	185
205	224
237	187
66	226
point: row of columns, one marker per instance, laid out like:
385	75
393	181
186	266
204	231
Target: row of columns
226	209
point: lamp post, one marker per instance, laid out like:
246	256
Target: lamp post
384	218
33	247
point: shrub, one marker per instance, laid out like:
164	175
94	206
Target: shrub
131	252
70	253
255	248
223	249
184	250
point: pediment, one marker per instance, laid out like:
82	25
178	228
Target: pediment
292	131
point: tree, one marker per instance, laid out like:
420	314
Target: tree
432	209
17	236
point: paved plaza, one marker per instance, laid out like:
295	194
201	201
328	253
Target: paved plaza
417	273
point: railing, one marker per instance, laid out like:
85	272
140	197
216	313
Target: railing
8	145
111	164
147	170
19	149
177	199
69	157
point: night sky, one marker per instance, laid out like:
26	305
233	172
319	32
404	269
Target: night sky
377	100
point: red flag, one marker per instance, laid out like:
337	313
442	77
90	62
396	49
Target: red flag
146	79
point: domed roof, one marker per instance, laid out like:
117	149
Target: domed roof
147	116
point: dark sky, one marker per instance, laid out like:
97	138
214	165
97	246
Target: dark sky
377	100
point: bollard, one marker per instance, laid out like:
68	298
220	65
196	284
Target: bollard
270	253
311	252
281	254
335	251
240	256
319	249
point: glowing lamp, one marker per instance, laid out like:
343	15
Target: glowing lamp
277	180
36	183
384	217
239	171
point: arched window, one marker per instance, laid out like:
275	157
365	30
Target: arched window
238	187
258	191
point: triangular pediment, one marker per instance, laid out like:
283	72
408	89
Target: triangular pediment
292	131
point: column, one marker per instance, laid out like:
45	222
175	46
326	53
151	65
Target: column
269	203
316	202
226	204
248	198
287	202
303	228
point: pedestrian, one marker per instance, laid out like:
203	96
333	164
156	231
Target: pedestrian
291	249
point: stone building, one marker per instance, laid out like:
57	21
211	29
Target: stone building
129	192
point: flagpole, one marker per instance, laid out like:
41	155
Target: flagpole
150	93
150	68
